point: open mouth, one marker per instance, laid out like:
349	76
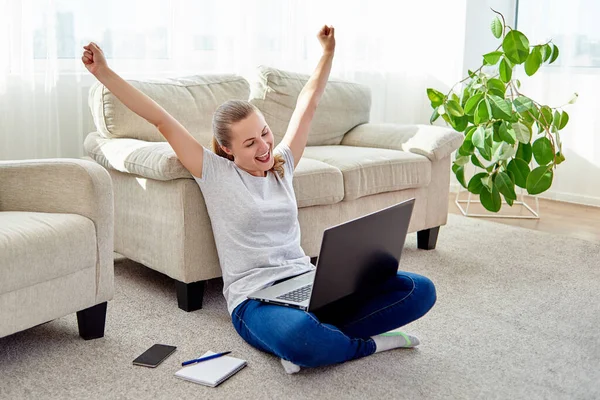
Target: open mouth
266	158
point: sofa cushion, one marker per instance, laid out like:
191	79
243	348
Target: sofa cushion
317	183
148	159
342	106
369	171
38	247
191	100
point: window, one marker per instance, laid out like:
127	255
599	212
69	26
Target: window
572	25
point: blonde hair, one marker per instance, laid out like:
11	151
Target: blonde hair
227	114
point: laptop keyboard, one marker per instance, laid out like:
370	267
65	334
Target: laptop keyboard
297	295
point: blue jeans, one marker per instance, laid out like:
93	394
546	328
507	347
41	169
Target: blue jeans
339	332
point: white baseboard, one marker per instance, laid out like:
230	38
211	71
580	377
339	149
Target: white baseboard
557	196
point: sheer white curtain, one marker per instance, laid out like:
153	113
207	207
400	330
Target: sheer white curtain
397	48
574	27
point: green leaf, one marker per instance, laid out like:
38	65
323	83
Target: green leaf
523	104
436	98
527	117
479	137
507	133
475	186
516	47
464	97
542	151
540	179
460	123
520	171
522	132
556	120
491	201
504	151
434	116
546	52
471	104
454	108
485	153
501	108
489	139
459	171
564	119
482	113
546	117
462	160
492	58
524	152
574	98
486	181
533	62
476	161
496	86
496	27
554	53
506	186
496	136
505	71
467	147
559	158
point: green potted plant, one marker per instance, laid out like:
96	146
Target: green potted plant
503	128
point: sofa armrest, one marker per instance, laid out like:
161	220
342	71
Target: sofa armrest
65	185
433	142
153	160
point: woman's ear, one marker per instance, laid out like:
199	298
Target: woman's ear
226	150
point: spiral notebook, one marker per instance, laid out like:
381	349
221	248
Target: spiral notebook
211	372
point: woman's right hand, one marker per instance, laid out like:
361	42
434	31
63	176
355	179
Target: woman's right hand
93	58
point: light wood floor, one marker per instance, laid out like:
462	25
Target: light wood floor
575	220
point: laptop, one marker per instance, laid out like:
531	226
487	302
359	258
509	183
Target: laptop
356	254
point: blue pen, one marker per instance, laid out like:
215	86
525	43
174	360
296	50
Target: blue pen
183	364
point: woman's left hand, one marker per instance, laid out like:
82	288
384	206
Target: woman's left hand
327	38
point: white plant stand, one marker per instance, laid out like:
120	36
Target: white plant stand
534	214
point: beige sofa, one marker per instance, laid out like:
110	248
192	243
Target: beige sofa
350	167
56	244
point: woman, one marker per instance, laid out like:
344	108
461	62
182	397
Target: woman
247	187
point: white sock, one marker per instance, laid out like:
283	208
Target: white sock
289	366
394	339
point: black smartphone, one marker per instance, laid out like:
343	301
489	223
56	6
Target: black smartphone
154	355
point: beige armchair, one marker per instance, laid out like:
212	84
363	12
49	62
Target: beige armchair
56	244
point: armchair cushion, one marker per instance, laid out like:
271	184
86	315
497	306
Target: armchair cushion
433	142
342	106
368	171
39	247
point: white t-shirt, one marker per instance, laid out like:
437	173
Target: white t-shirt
255	224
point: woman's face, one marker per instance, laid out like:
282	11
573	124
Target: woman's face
252	145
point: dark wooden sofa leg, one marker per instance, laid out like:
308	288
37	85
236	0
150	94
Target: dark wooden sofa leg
427	238
91	321
189	295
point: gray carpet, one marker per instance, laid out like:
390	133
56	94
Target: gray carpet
517	316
